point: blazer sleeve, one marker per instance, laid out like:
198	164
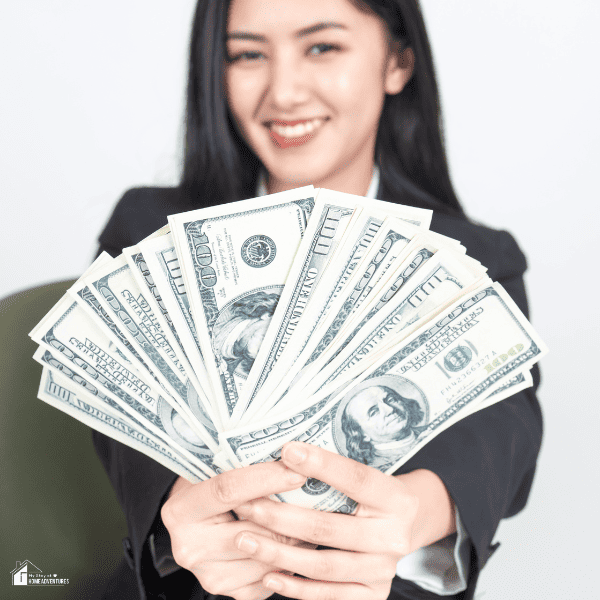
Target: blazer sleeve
487	460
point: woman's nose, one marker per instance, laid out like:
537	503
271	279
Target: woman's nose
288	85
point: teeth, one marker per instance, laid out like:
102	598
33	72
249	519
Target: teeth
299	130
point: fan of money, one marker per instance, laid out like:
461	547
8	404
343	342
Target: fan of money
307	315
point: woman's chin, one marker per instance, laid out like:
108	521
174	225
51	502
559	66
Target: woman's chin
284	179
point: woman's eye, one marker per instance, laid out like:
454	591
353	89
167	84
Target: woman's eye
319	49
246	57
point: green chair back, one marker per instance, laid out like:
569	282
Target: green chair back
58	509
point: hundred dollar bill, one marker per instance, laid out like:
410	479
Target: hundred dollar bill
61	393
389	244
418	217
325	232
118	293
164	267
520	381
128	307
333	215
122	349
405	399
393	258
163	263
144	279
109	406
45	358
222	460
68	333
420	249
383	287
425	285
195	392
246	444
354	245
432	290
235	260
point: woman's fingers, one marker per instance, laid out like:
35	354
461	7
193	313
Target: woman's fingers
324	565
360	482
346	532
303	589
226	491
221	578
254	591
187	552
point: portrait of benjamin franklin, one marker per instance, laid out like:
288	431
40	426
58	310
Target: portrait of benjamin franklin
380	425
241	328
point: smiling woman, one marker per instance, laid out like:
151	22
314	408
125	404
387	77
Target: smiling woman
306	87
339	94
261	70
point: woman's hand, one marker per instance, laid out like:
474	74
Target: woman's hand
203	530
395	516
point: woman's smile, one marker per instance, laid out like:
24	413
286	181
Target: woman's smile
288	134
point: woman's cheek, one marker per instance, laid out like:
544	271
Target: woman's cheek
335	82
244	88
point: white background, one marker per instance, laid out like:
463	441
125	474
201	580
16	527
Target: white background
91	102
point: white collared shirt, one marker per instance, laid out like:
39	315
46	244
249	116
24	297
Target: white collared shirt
261	187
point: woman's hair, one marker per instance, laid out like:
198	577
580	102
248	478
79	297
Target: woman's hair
220	166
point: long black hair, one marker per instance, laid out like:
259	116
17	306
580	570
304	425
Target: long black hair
220	167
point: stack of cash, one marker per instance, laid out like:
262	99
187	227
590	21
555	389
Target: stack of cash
308	315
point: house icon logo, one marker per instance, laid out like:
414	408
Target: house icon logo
21	572
26	573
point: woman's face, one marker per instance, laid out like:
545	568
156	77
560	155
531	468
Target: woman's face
306	81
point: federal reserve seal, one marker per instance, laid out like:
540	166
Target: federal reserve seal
314	487
458	358
258	251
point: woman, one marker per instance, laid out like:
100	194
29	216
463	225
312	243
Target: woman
340	94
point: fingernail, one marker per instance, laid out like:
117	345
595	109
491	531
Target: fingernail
247	544
274	584
294	454
296	478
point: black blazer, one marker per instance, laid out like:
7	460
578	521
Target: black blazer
487	460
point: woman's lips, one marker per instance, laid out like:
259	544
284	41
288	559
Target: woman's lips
288	134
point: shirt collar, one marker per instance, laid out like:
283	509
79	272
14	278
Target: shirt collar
261	188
